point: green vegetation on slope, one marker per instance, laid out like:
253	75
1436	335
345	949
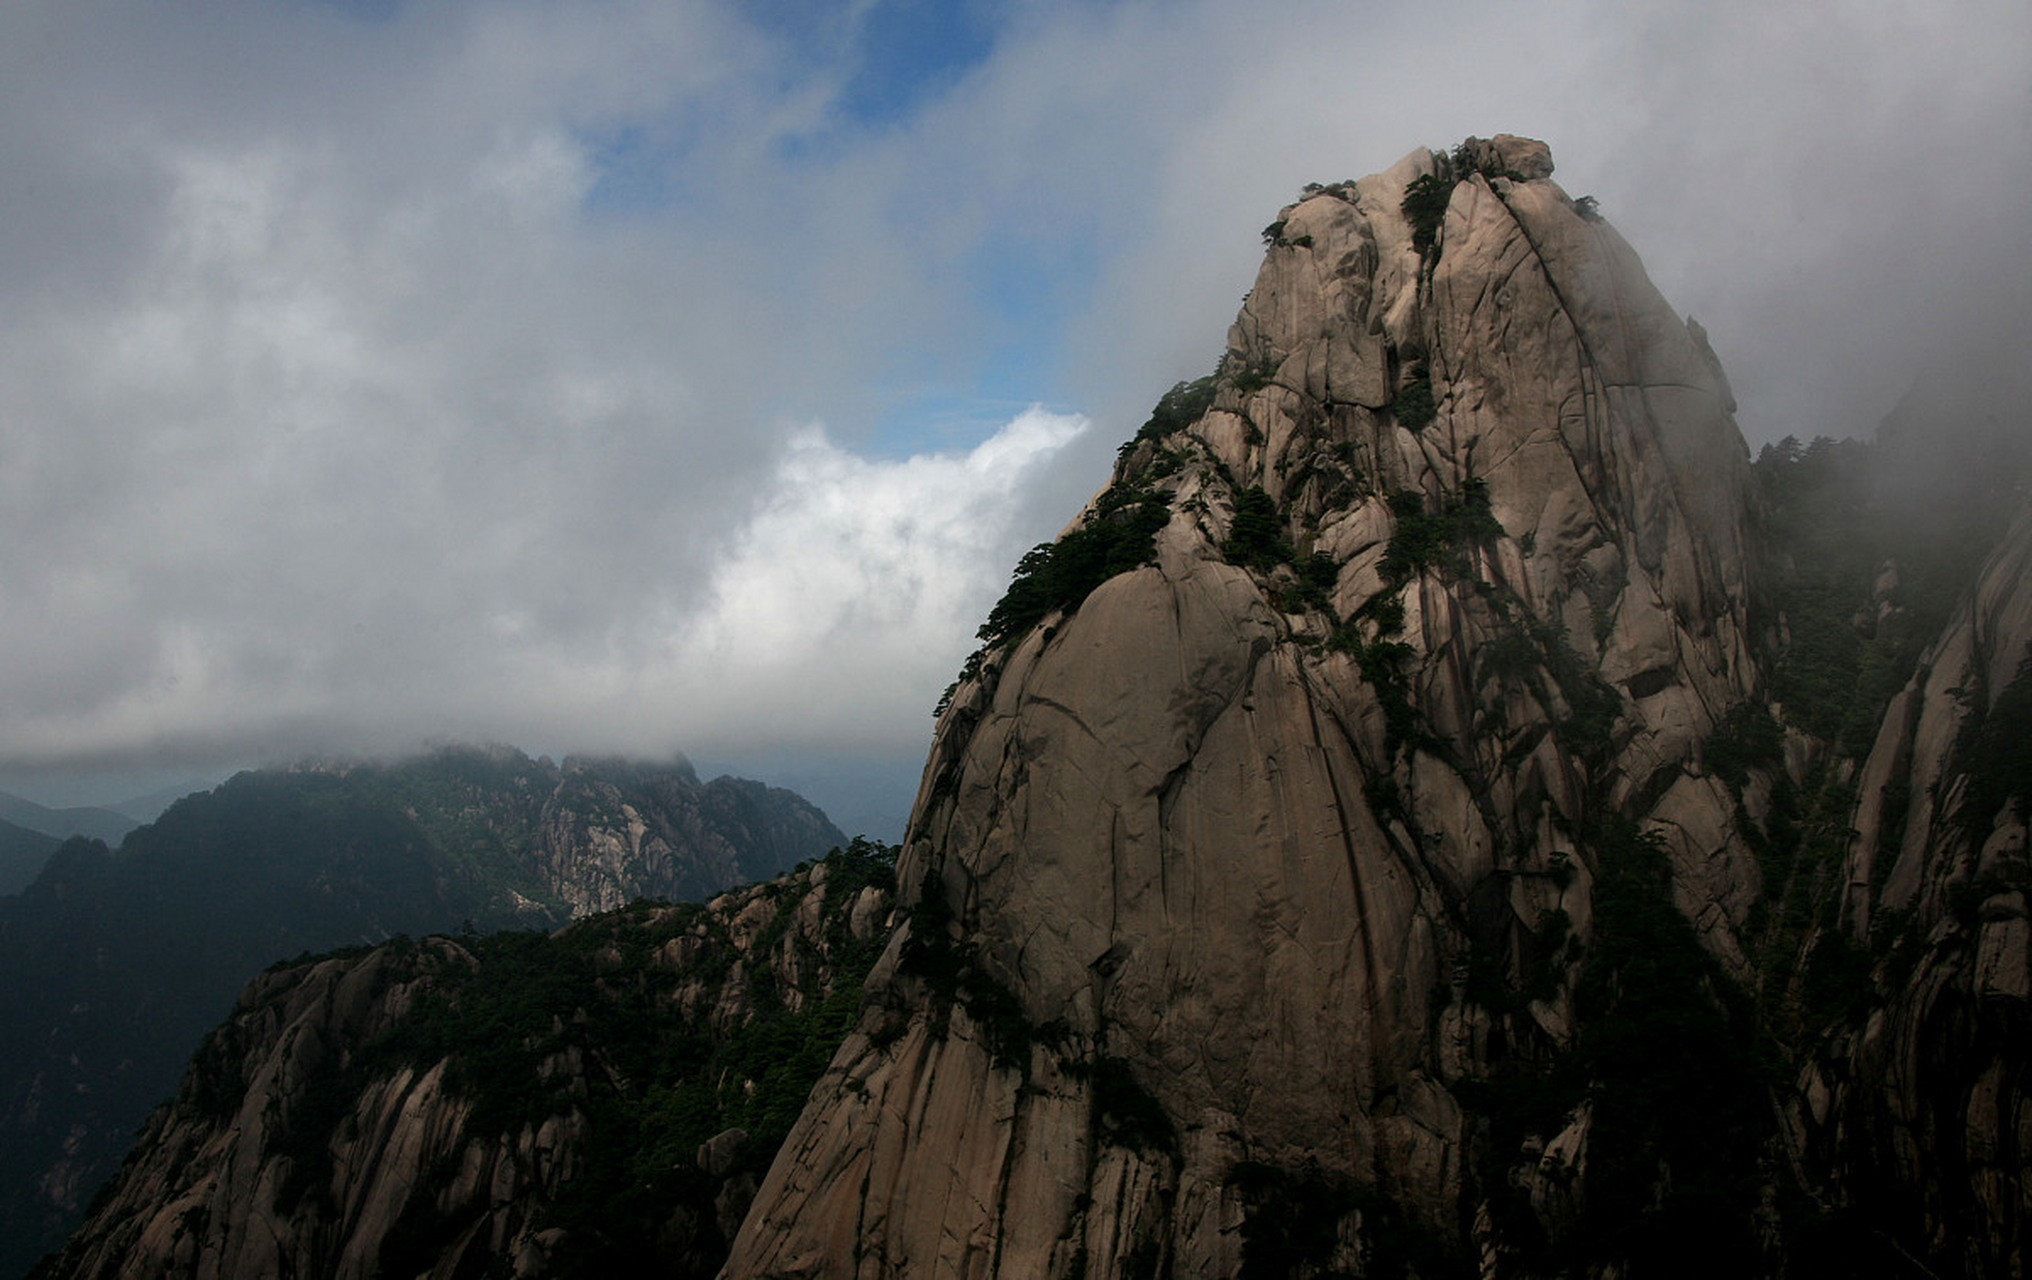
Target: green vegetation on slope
1177	409
1424	207
1118	536
1834	523
1863	569
1669	1047
663	1076
1673	1071
1439	538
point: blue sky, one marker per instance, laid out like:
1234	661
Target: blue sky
651	375
903	54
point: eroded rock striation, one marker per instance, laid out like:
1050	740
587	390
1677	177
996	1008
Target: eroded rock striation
1249	888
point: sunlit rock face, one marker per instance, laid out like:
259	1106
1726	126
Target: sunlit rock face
1235	884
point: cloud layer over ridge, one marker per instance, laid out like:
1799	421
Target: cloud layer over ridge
625	375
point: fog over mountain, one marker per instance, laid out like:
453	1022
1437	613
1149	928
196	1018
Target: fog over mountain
635	376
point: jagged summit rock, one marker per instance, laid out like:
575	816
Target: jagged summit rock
1524	159
1237	876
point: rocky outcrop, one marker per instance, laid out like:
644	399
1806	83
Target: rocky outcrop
1248	886
459	1106
546	842
1917	1107
614	831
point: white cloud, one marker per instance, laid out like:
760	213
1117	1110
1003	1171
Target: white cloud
852	595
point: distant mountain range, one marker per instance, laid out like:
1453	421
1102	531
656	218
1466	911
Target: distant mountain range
30	832
92	821
114	962
22	853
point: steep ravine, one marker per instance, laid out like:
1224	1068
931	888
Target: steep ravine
1263	900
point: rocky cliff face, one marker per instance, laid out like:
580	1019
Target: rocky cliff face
547	842
1263	895
1917	1105
459	1106
615	831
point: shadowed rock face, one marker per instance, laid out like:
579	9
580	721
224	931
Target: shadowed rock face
1920	1114
1234	883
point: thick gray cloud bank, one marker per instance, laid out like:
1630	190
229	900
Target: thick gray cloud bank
600	376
